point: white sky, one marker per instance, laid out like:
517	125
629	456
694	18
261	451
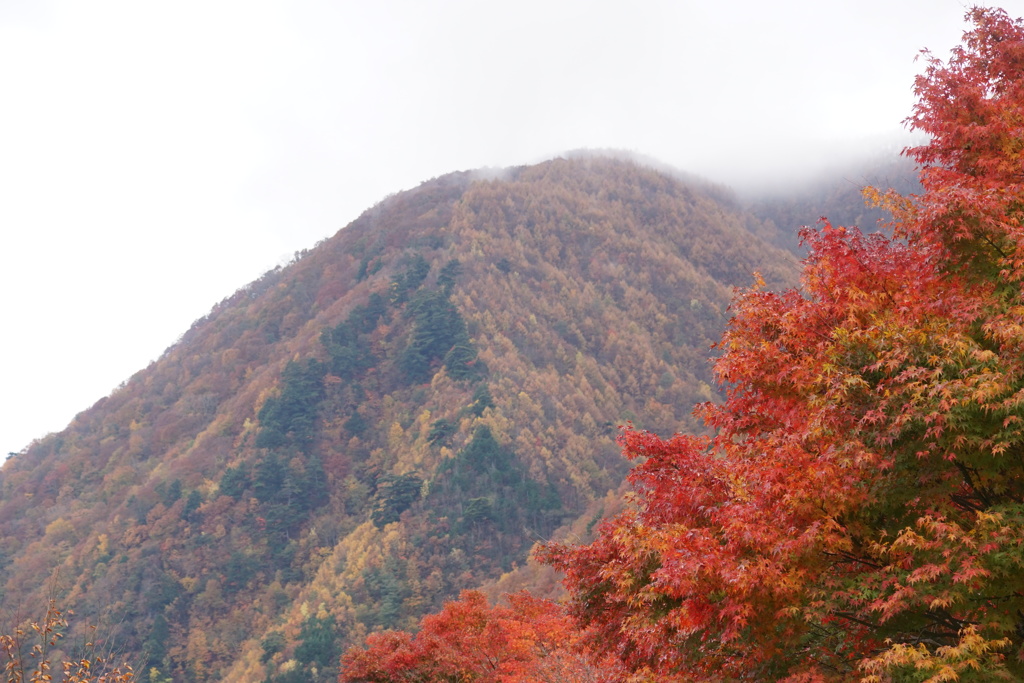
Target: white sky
156	156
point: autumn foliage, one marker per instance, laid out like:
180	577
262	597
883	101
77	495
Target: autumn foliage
858	512
530	641
28	656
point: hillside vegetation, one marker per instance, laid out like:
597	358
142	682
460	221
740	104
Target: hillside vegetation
398	415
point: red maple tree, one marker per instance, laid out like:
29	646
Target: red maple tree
858	513
530	641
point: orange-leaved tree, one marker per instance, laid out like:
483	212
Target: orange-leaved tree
530	641
858	512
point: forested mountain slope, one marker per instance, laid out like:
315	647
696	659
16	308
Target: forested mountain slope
397	415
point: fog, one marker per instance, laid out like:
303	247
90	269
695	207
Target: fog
154	157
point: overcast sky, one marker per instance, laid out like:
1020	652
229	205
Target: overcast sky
157	156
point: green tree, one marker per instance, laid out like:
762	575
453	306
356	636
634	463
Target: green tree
319	646
290	418
395	494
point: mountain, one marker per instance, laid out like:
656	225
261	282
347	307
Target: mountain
836	196
395	416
